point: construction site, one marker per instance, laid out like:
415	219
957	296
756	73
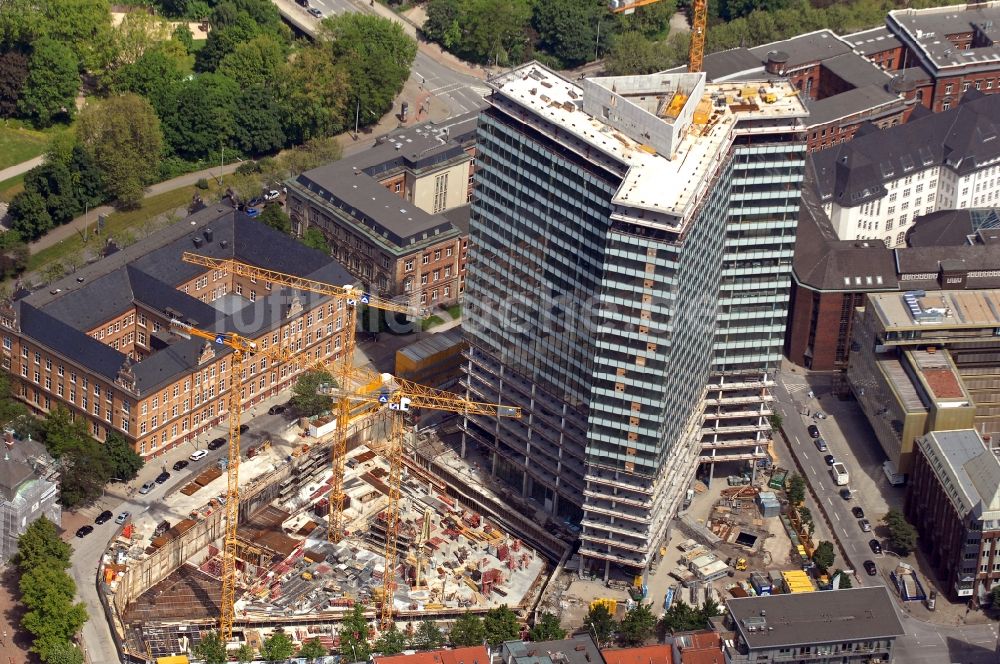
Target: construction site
163	572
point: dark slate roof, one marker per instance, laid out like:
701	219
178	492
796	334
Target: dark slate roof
871	41
823	262
459	217
12	475
57	336
149	276
834	616
848	103
855	172
723	64
856	70
941	228
918	260
805	49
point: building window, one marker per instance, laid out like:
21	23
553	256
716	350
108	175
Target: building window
437	275
946	105
440	193
447	292
437	255
398	187
426	259
947	89
979	84
423	279
989	84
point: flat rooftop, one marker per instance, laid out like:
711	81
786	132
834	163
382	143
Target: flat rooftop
939	374
928	30
834	616
872	41
938	309
667	186
970	471
901	384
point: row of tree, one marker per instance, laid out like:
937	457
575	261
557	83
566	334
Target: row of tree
561	33
86	465
47	593
749	23
640	623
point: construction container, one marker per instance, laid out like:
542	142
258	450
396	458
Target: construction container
435	360
761	584
768	504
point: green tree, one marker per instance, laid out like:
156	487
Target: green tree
547	628
211	648
568	28
13	74
13	261
796	489
40	545
428	636
390	642
312	650
45	582
245	653
995	597
467	631
125	463
84	26
377	55
637	625
85	471
53	625
354	645
137	33
442	23
202	116
632	52
315	90
58	186
155	75
256	63
236	22
315	152
314	239
276	218
845	579
680	617
807	519
30	217
182	35
63	433
49	92
501	624
710	609
902	535
304	393
824	556
277	648
123	135
600	623
64	653
259	122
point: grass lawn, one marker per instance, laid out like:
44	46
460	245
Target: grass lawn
19	143
11	188
132	221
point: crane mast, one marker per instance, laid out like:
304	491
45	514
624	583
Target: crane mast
699	23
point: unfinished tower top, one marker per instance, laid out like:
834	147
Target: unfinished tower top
664	133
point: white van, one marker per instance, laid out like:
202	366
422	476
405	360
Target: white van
839	472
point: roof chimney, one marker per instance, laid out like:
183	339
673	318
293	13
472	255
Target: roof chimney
208	234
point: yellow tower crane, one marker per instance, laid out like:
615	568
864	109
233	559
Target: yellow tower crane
243	349
399	396
351	297
699	23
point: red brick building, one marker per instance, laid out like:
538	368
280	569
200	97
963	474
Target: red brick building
953	500
99	343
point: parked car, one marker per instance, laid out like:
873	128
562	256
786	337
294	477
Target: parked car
252	212
819	415
271	195
813	431
147	487
198	455
874	545
858	512
122	518
217	443
181	465
829	460
870	568
103	517
304	3
821	445
244	428
866	525
276	410
162	477
83	531
846	493
315	12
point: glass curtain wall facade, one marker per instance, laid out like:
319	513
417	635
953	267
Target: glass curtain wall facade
606	332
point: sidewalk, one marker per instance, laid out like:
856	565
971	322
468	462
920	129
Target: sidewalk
60	233
23	167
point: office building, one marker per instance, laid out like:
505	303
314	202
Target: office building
842	88
628	288
397	215
875	186
798	627
100	342
831	276
953	499
29	489
925	361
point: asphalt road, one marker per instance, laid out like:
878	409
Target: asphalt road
849	440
